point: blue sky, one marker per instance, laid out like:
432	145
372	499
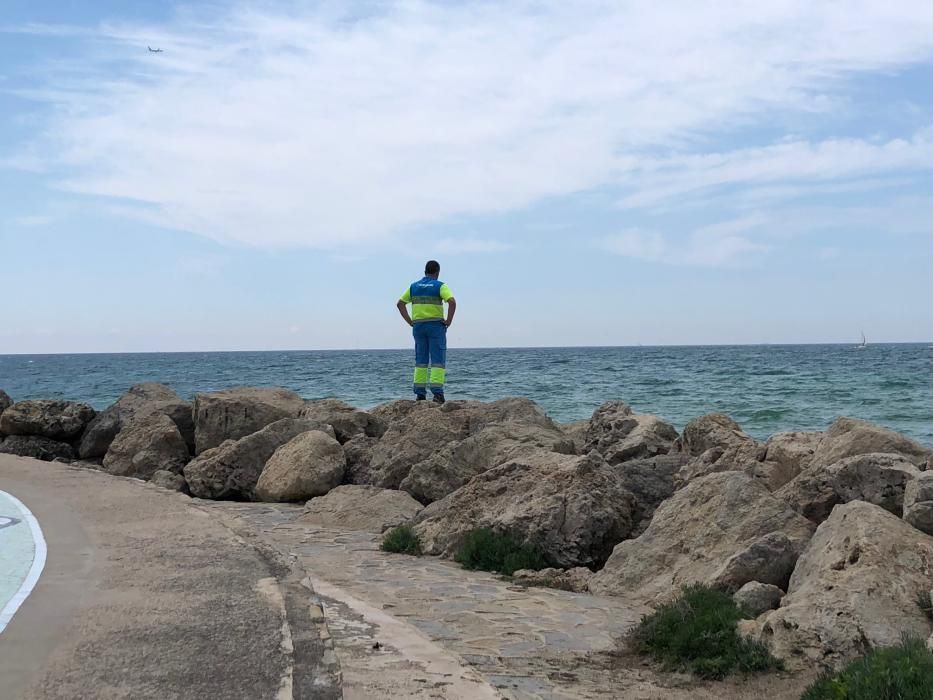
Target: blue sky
587	173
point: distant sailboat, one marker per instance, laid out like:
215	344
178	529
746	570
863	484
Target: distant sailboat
864	343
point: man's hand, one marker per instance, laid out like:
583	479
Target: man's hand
447	323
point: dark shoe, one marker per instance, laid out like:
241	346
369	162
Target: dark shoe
420	397
439	398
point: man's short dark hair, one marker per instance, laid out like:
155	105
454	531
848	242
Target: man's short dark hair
432	267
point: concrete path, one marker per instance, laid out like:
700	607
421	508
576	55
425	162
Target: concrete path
145	596
527	643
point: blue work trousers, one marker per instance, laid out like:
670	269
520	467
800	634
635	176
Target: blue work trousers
430	357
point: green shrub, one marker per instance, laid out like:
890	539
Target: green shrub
696	633
487	550
925	603
402	540
904	672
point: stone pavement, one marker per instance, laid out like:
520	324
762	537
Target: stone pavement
527	643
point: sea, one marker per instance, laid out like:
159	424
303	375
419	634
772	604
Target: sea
766	388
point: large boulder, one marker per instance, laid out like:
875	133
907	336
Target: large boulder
918	502
359	452
848	437
138	401
5	401
576	433
54	419
792	452
37	447
716	443
651	482
619	434
874	478
146	445
308	465
235	413
423	430
575	509
171	481
449	469
347	421
365	508
575	580
724	529
758	598
855	588
231	470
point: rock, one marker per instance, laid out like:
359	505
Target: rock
147	445
848	437
875	478
573	508
236	413
394	411
449	469
855	588
758	598
700	535
347	421
5	401
792	452
169	480
513	409
56	420
769	559
365	508
37	447
575	580
138	401
918	503
620	435
716	443
231	470
359	452
576	433
308	465
651	482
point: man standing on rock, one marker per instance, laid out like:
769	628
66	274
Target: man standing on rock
427	297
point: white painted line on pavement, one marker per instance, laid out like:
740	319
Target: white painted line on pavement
38	563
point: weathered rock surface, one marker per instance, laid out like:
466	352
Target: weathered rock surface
146	445
449	469
231	470
875	478
169	480
56	420
138	401
918	503
359	453
576	433
848	437
347	421
619	434
308	465
712	531
365	508
5	401
716	443
236	413
573	508
792	452
37	447
419	432
855	588
758	598
651	482
575	580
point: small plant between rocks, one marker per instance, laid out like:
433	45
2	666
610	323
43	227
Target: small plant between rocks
904	672
697	633
486	550
402	540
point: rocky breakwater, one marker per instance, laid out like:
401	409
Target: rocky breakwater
828	535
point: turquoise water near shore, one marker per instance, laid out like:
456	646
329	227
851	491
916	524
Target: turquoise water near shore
766	388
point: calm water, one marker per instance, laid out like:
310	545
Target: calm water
766	388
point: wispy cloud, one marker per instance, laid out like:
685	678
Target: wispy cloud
284	126
470	245
711	246
31	220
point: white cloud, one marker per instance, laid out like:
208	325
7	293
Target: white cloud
470	245
314	127
721	245
31	220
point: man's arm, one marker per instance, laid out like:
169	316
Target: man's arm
451	310
403	310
